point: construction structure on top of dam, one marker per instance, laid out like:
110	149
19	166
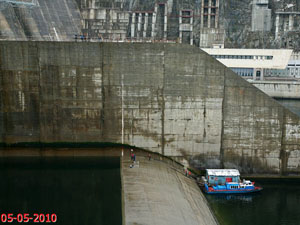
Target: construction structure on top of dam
203	23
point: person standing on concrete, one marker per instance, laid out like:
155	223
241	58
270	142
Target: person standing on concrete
99	37
131	154
149	156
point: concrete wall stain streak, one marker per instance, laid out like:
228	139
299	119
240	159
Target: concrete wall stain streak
177	101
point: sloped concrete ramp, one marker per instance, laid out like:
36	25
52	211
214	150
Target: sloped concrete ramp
155	193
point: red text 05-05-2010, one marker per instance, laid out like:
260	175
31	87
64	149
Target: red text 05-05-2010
26	217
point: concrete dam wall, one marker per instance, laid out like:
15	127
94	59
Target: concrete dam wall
203	23
168	98
55	20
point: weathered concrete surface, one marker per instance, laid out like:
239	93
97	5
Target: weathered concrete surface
113	19
172	99
279	89
155	193
55	20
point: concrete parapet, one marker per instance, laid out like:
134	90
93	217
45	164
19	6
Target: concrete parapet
279	89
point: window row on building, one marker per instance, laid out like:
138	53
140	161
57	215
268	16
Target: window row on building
258	57
292	71
244	72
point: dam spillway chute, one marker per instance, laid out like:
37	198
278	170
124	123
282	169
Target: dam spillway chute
19	3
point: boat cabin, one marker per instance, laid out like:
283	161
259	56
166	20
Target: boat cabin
222	176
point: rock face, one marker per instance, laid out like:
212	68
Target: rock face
237	23
168	98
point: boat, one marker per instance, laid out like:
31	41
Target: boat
227	181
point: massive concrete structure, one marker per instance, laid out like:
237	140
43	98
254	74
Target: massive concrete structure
168	98
204	23
192	22
56	20
261	16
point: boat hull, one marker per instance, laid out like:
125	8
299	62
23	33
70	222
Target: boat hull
239	191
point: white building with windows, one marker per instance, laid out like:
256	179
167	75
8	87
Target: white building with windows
292	70
252	63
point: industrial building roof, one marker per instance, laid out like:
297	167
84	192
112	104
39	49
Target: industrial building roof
223	172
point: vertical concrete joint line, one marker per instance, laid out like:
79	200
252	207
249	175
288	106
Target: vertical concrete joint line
283	158
204	108
102	116
163	108
222	151
122	105
40	89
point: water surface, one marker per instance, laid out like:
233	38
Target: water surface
277	204
78	190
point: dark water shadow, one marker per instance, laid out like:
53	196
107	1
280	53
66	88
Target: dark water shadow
78	190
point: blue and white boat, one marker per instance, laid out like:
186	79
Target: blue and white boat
227	181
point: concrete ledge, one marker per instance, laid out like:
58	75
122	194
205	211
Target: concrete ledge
279	89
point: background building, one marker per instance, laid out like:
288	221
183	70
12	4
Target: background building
291	71
252	63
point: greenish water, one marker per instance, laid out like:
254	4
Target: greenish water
277	204
83	191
